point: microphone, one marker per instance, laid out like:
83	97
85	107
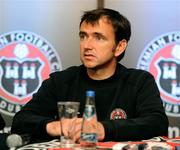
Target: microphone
15	140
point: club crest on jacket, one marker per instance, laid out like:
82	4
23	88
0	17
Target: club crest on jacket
118	113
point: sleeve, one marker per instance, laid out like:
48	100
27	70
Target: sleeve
40	110
2	123
150	119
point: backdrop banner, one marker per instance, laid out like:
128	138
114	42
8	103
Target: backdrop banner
26	59
161	57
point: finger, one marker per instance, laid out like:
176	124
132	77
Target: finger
77	131
72	127
77	135
65	126
65	132
101	131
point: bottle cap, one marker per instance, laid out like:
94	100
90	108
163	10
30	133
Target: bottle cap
90	93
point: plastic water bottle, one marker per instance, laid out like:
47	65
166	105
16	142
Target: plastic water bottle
89	126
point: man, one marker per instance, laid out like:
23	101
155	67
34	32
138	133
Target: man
128	103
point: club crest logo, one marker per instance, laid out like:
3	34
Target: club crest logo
162	59
118	113
26	59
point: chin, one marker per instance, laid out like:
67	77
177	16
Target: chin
89	66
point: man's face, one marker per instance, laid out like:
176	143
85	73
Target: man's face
97	44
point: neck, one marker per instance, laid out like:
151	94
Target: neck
101	73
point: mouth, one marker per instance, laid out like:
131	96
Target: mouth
88	56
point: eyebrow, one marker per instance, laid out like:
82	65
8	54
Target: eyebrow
94	33
82	32
100	35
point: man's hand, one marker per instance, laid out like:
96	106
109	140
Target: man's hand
101	131
76	134
53	128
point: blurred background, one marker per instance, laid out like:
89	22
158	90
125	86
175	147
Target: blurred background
47	33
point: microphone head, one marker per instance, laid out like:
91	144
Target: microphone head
14	140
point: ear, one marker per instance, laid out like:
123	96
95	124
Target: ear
121	47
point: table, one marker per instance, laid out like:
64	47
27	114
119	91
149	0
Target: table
156	143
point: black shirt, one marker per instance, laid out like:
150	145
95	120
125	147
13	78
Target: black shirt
128	104
2	123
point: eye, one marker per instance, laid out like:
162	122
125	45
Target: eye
82	36
99	36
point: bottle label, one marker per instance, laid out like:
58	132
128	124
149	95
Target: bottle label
89	112
89	137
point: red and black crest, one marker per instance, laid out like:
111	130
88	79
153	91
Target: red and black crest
118	113
162	59
20	79
26	59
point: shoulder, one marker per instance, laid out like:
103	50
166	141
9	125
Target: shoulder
66	74
133	75
60	78
131	72
71	69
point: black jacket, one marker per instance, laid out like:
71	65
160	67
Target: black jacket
2	123
128	104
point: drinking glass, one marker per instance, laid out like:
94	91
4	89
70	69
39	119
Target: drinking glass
68	112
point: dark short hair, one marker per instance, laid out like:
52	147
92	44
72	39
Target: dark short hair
121	25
